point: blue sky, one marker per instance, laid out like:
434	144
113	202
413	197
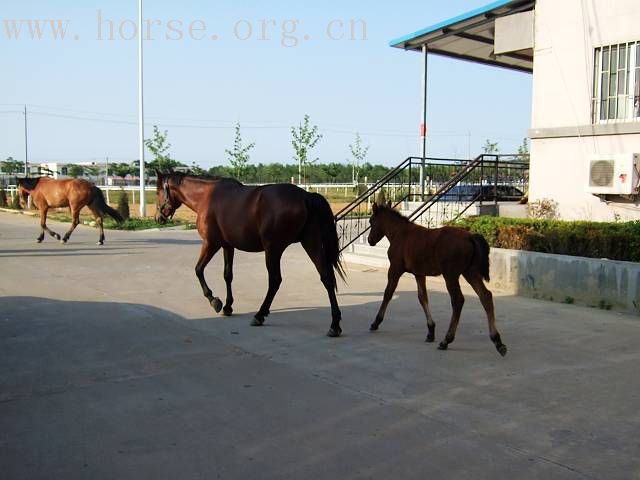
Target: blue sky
82	91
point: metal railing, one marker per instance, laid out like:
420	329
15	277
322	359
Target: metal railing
451	188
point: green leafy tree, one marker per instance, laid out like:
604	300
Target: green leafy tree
10	165
239	156
523	150
304	137
358	154
490	147
74	170
121	169
159	148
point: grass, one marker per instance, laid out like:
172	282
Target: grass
130	224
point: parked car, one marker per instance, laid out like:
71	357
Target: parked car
503	193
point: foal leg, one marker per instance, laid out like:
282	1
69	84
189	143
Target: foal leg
228	278
206	254
75	219
393	276
424	302
272	258
457	301
486	298
313	247
43	225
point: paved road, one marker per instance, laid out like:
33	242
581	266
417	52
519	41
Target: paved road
113	366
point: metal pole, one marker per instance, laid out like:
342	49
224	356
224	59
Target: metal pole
423	125
106	179
26	150
140	113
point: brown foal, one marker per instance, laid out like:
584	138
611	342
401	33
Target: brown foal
447	251
74	193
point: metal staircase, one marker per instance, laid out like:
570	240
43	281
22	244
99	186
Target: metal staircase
451	188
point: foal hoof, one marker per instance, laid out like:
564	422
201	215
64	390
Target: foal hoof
39	240
56	236
430	338
257	321
227	311
216	304
334	332
373	327
443	346
100	243
63	241
502	349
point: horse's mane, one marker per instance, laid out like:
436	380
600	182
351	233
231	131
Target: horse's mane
29	182
393	212
178	177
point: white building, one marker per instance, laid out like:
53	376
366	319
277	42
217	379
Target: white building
584	56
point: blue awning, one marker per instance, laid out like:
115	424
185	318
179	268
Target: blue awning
471	35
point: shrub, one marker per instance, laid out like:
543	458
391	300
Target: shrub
15	202
613	240
123	205
3	197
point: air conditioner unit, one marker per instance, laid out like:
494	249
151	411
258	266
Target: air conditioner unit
614	174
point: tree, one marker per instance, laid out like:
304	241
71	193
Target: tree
305	137
123	204
359	153
10	165
195	169
239	154
159	148
74	170
523	150
120	169
490	147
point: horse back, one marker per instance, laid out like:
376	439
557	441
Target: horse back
62	193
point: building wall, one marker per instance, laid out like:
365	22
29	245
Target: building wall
562	140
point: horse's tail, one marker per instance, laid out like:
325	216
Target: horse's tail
480	255
320	213
101	206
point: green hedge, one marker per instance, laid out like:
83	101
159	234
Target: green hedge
615	241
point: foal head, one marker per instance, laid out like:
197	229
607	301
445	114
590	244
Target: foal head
376	221
167	204
25	186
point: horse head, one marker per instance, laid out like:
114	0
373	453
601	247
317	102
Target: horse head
166	204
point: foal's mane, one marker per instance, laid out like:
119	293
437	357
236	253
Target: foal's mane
29	182
392	212
178	177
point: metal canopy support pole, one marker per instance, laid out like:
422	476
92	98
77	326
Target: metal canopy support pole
26	150
423	124
140	113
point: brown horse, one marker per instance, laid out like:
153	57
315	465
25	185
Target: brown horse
268	218
447	251
48	193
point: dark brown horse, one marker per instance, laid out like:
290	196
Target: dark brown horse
266	219
48	193
447	251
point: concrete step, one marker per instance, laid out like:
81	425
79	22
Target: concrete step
364	254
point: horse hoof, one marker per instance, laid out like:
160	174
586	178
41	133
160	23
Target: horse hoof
216	304
39	240
99	243
373	327
56	236
227	311
429	339
443	346
257	321
63	241
334	332
502	349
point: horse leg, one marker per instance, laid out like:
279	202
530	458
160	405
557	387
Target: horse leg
424	302
98	217
313	247
272	258
43	225
393	276
457	301
228	278
75	219
206	254
486	298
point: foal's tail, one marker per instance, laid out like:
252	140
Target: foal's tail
320	213
99	205
480	255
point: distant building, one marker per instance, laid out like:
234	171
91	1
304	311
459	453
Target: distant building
585	61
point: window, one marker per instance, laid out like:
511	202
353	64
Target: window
616	83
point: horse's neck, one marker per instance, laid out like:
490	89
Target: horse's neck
393	227
191	193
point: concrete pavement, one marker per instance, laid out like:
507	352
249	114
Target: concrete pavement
113	365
